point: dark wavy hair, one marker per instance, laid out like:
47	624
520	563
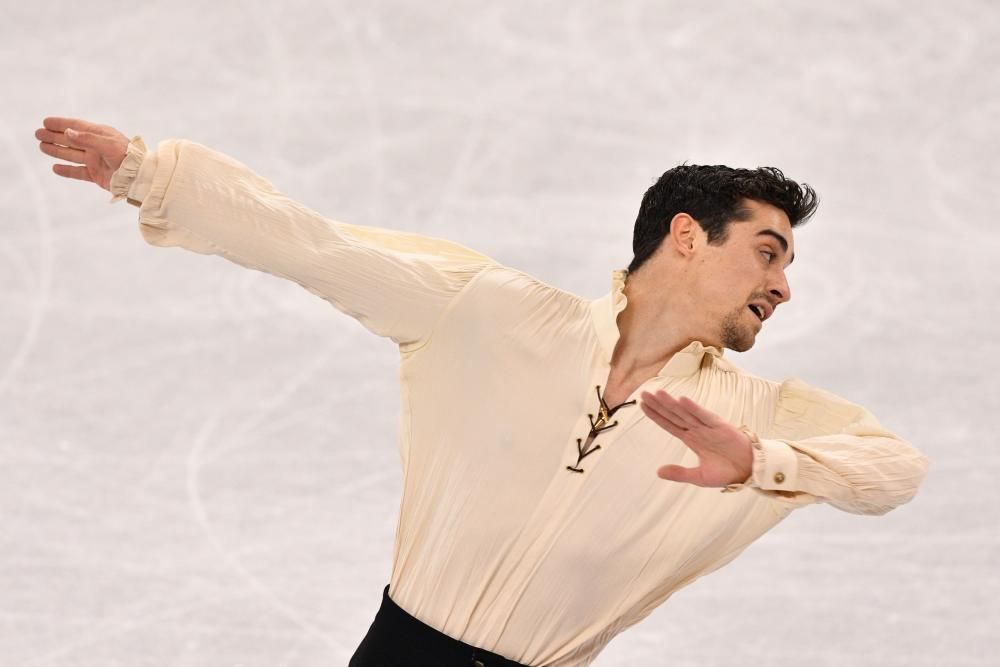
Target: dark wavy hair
713	196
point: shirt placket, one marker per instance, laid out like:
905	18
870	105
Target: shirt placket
588	445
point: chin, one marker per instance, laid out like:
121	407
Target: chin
734	332
742	346
737	339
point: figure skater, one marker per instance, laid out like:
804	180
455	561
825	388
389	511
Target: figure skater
568	464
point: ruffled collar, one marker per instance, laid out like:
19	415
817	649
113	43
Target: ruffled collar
604	313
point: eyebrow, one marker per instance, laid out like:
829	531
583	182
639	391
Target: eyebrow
781	240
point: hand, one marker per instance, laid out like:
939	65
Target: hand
99	148
725	454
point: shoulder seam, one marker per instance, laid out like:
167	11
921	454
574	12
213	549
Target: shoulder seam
419	344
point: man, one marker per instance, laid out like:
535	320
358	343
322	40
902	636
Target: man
545	509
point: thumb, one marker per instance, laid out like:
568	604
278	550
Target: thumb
679	474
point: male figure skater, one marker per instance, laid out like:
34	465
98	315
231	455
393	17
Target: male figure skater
567	463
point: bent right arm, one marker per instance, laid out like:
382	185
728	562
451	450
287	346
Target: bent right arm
397	284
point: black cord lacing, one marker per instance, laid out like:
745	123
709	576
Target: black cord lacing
596	427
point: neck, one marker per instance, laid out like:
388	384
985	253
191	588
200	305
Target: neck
652	328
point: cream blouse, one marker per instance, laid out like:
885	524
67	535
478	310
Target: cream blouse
500	542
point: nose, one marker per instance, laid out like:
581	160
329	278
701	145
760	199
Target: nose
780	289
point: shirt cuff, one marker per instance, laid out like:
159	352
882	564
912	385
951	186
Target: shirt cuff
133	178
775	466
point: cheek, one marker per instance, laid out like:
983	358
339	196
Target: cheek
726	287
745	281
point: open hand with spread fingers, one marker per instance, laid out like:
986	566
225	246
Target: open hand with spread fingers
99	148
725	453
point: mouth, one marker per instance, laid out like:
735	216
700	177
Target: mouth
758	312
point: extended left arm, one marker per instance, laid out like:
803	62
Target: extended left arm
819	447
822	447
863	469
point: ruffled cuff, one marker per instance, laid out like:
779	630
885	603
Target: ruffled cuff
122	179
775	467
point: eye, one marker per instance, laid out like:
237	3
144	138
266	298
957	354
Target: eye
770	255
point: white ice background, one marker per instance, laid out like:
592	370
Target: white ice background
199	463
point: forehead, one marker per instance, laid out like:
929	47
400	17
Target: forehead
759	217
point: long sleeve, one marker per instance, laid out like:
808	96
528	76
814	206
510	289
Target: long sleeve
821	447
397	284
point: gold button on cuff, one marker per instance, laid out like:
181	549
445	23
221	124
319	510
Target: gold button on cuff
779	477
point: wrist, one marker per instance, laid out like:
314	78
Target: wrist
124	182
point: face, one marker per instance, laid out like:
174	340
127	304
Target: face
748	269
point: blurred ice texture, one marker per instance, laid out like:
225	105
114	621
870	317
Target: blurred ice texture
198	463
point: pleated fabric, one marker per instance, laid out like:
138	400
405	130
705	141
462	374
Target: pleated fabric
531	524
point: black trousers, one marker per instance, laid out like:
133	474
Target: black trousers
396	639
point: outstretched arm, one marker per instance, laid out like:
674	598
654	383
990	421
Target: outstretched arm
820	447
396	284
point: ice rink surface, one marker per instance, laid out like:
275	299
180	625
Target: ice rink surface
199	463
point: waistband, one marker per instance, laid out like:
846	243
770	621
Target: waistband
396	639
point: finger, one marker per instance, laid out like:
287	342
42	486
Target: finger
662	404
663	419
665	423
103	145
692	414
60	123
681	474
79	173
660	398
680	414
63	153
50	137
706	417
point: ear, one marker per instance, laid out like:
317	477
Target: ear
684	234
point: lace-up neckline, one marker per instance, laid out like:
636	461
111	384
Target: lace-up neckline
597	426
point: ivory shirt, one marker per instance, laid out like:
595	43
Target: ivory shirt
499	543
